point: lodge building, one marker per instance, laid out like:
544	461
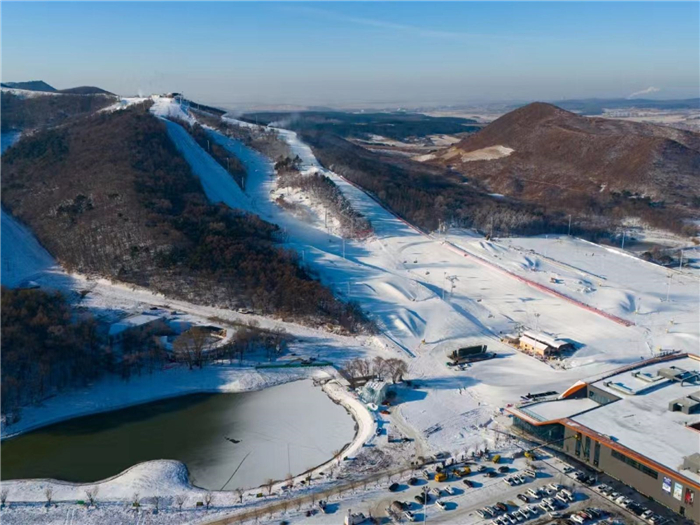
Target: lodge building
640	425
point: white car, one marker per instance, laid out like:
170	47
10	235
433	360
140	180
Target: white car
576	518
534	493
441	504
521	478
436	491
562	498
481	513
450	490
646	515
409	515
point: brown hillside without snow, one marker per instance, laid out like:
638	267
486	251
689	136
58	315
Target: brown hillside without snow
588	166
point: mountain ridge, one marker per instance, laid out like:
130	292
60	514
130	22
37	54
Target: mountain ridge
559	157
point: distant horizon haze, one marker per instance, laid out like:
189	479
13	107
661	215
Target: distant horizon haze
358	54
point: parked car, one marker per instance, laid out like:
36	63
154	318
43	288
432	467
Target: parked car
524	498
449	490
508	481
530	472
481	468
502	506
560	497
503	468
577	519
441	504
413	481
533	493
436	491
420	498
409	515
393	487
491	474
646	515
427	475
468	483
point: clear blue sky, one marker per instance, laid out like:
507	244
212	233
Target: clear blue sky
357	53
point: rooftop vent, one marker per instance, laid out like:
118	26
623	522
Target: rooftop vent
689	404
692	463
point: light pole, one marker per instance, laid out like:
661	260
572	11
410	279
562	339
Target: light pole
569	225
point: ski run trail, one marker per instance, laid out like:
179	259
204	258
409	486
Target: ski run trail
426	296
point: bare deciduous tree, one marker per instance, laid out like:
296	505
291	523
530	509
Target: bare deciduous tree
136	500
91	494
191	345
4	493
239	493
48	493
268	485
208	497
379	367
396	369
180	501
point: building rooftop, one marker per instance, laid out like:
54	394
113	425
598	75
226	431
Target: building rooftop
558	408
546	339
133	321
641	420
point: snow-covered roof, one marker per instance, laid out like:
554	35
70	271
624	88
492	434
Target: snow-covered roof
558	408
641	420
133	321
534	343
546	339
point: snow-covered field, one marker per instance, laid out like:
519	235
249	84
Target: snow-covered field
429	295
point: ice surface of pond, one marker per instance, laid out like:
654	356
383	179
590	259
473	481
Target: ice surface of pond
283	429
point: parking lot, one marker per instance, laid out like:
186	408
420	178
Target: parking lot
552	496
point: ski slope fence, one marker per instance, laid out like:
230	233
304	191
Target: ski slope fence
541	287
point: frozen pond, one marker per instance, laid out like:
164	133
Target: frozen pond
284	429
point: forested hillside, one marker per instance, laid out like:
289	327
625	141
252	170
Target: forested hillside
426	195
111	195
43	349
596	169
26	113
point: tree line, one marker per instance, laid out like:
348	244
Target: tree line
321	188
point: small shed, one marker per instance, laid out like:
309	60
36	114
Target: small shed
374	392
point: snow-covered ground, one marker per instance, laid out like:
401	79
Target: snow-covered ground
432	294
